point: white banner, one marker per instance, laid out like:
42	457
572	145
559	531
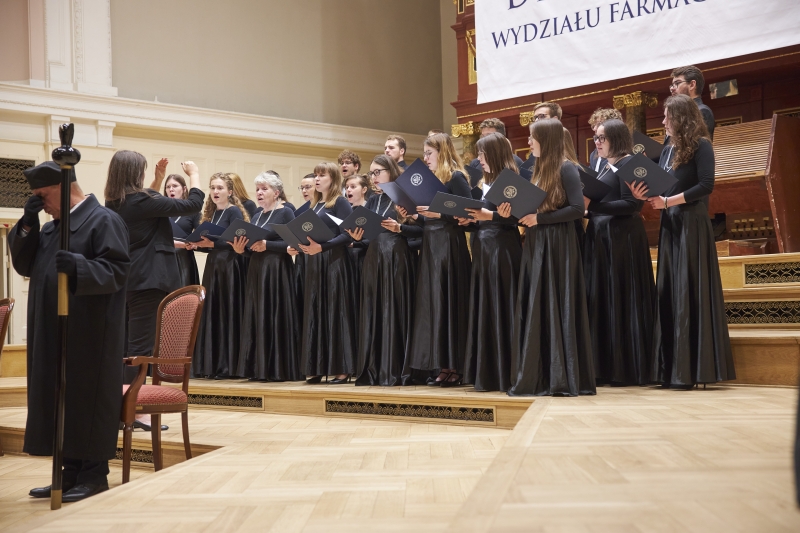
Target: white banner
534	46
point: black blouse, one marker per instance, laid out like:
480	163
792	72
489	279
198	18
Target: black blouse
223	218
620	200
341	209
188	223
573	209
695	178
264	220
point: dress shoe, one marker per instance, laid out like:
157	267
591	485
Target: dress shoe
83	491
138	424
339	381
44	492
314	380
450	382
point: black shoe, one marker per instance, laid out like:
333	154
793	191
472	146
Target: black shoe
83	491
138	424
44	492
314	380
339	381
447	382
433	382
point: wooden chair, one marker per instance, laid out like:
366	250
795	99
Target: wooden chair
6	306
176	330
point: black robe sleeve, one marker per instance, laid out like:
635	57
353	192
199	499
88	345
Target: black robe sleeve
571	181
340	210
278	244
704	179
23	248
161	206
107	271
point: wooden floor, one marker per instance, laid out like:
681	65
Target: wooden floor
626	460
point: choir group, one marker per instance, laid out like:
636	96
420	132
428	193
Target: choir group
568	304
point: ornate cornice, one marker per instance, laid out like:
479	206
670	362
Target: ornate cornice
635	99
525	118
467	128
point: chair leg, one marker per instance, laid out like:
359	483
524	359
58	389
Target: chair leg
185	423
155	425
127	434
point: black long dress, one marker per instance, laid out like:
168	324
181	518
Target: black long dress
496	256
270	344
329	302
216	351
620	291
187	265
691	342
387	304
442	297
552	351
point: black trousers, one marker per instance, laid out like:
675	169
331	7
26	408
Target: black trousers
77	471
140	314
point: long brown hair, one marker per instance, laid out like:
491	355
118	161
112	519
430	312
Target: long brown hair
449	160
549	133
335	191
181	181
238	187
498	155
569	148
384	161
687	127
210	207
125	175
620	141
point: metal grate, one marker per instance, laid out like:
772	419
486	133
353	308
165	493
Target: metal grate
14	189
137	455
252	402
443	412
765	273
763	312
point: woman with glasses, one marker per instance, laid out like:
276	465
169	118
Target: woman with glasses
442	295
269	347
329	300
387	290
551	352
496	254
175	187
691	341
356	191
620	291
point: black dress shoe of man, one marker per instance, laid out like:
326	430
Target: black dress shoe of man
82	491
44	492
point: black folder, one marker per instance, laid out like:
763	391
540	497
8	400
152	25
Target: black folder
526	169
646	145
287	236
450	204
475	174
640	168
206	229
177	232
593	188
240	228
365	219
308	224
476	193
419	183
302	209
524	197
399	197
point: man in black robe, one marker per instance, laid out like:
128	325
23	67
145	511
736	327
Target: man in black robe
97	265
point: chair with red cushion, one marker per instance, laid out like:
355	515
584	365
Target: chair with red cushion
178	319
6	306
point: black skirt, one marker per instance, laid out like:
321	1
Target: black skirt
441	303
552	351
357	253
621	296
299	281
329	314
217	349
496	255
691	342
270	344
187	267
387	304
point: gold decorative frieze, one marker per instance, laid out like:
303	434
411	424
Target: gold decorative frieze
467	128
525	118
770	312
766	273
443	412
216	400
635	99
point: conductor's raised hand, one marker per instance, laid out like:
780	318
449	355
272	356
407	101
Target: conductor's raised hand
311	249
529	220
357	234
66	262
639	190
161	169
30	214
239	244
504	210
193	171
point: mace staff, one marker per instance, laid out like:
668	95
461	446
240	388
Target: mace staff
66	157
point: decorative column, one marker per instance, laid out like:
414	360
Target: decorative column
525	118
469	133
635	106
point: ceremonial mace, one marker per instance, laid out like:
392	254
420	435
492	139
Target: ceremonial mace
66	157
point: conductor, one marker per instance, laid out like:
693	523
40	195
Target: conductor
97	266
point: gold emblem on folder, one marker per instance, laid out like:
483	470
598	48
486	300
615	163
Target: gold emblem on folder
510	191
308	226
638	148
640	172
360	221
240	232
450	204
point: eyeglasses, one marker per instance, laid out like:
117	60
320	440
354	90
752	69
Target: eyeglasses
375	173
427	154
677	83
305	187
540	116
346	162
599	139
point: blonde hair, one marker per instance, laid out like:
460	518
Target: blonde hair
210	207
601	114
448	159
335	190
238	186
569	148
549	133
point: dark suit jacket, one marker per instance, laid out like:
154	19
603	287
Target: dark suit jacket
708	116
152	251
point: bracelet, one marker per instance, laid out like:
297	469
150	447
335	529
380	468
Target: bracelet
666	202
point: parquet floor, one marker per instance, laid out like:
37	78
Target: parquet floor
627	460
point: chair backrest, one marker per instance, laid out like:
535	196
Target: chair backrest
6	306
176	330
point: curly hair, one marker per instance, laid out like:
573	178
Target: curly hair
210	207
352	156
601	114
687	127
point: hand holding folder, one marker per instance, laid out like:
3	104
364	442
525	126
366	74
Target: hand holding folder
524	197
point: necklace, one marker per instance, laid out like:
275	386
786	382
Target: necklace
266	221
220	215
668	162
377	210
318	211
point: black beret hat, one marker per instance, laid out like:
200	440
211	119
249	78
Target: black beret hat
44	175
